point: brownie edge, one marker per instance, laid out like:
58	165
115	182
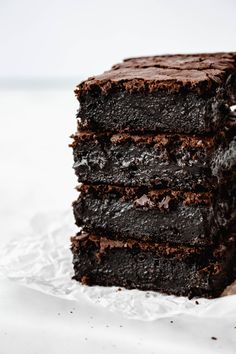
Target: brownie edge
201	73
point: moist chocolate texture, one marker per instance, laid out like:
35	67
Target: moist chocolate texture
155	151
175	94
181	271
156	215
161	161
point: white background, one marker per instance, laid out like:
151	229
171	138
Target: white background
84	37
47	47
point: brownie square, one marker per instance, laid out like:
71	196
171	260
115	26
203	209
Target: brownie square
156	216
155	160
169	93
173	270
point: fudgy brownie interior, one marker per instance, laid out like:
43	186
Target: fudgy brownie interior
156	160
156	215
173	270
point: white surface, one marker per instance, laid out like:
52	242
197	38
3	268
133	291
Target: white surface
36	177
32	322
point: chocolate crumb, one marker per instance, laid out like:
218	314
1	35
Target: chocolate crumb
214	338
171	321
196	302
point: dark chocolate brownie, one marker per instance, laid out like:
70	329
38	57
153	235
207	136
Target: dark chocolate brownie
174	270
161	161
170	93
156	215
155	150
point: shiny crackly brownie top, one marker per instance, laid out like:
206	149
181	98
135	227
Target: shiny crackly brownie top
197	72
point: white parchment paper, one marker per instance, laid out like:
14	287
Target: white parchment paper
42	260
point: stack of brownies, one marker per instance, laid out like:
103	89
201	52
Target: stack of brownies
155	153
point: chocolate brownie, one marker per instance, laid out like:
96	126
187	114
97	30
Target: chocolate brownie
170	93
174	270
154	160
155	151
156	215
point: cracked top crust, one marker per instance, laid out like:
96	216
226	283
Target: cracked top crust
198	72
